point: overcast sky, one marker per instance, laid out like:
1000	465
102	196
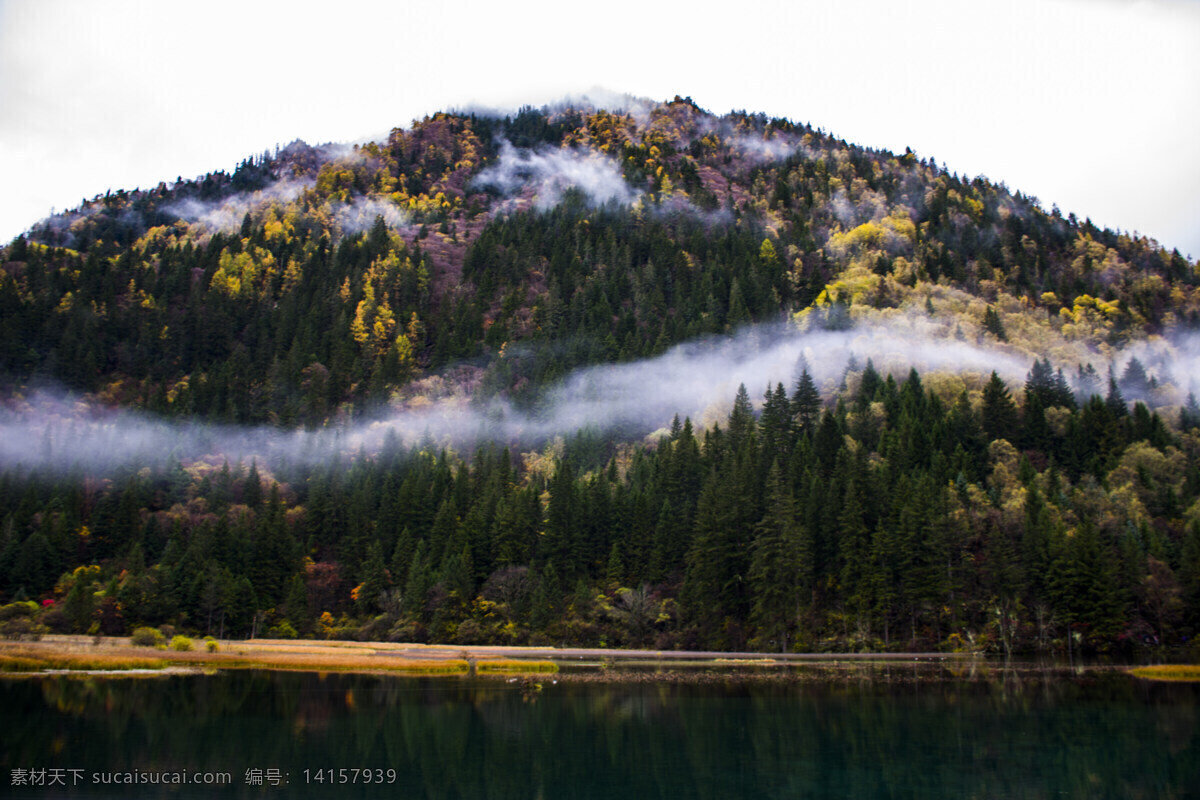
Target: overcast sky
1093	105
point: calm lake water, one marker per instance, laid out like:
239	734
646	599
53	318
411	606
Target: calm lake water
1006	736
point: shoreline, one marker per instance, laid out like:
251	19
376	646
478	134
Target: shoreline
116	656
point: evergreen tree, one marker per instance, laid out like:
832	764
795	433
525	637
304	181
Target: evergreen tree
562	542
1114	400
1041	382
776	426
252	494
854	557
1062	394
710	588
1134	380
1035	432
1189	415
741	423
806	401
418	583
1087	382
547	598
614	574
868	386
80	603
295	604
374	581
777	564
999	415
993	325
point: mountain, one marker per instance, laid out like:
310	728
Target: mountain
470	330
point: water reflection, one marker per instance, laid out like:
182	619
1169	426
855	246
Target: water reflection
886	734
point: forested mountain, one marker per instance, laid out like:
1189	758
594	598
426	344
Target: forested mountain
882	501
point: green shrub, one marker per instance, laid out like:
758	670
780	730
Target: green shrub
147	637
211	644
21	608
283	630
182	643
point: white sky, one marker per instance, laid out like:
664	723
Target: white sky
1090	104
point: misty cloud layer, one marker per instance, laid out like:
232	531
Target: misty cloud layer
226	215
550	173
761	150
696	379
359	216
1174	361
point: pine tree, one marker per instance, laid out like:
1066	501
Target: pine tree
514	529
1134	380
375	581
1189	415
562	541
854	556
80	603
741	423
869	384
295	604
1040	382
685	468
1087	382
776	425
1114	399
457	576
1035	432
1062	394
670	543
806	401
614	574
547	598
709	588
252	494
418	583
777	560
993	325
999	416
828	441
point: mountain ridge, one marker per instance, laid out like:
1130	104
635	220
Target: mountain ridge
979	428
839	220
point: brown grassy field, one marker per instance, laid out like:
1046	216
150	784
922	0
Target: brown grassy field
117	654
30	659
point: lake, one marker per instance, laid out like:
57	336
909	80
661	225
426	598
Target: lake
884	733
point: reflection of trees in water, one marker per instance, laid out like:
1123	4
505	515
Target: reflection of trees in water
886	734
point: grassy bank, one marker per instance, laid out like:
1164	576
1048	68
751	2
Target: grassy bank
77	653
28	660
1169	672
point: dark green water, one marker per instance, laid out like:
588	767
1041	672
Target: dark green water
1006	737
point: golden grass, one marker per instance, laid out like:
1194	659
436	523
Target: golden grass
515	665
41	661
78	653
1168	672
21	664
